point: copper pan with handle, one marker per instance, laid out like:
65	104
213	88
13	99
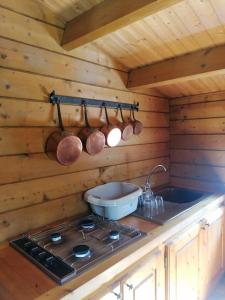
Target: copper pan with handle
112	133
93	139
125	127
63	146
137	125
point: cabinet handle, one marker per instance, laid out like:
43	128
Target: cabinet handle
117	295
204	224
130	286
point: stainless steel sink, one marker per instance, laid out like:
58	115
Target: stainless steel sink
176	202
178	195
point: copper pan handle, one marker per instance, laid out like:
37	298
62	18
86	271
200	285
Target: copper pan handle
121	113
106	114
60	116
132	108
85	115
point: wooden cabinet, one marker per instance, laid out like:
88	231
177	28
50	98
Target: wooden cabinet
195	258
182	270
143	281
212	249
147	280
185	269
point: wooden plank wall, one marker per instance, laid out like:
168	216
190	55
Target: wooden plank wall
198	141
34	190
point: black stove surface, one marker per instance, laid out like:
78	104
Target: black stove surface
66	250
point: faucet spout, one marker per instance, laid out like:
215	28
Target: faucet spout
148	183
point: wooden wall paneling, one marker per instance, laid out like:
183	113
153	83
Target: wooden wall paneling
42	35
34	9
32	140
203	98
208	110
24	113
21	220
200	142
39	214
206	173
197	184
158	179
35	189
19	56
30	192
197	146
201	157
198	126
18	168
18	84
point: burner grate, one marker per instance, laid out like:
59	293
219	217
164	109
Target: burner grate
66	250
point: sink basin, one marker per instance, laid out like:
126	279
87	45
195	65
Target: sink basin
113	200
176	202
178	195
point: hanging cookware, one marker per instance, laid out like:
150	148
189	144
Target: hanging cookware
137	125
62	145
93	139
112	133
125	127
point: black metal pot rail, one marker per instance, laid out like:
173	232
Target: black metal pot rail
54	99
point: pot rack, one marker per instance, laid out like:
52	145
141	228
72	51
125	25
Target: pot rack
54	99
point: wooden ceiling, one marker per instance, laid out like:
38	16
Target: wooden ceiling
186	27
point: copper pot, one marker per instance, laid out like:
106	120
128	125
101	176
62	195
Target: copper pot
137	125
92	139
125	127
63	146
112	133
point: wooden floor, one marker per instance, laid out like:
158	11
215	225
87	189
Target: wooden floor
218	292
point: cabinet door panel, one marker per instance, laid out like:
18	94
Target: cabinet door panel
183	266
215	247
147	280
211	249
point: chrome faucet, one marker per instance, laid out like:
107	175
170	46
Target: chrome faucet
148	183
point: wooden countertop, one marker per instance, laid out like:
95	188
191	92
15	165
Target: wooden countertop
22	280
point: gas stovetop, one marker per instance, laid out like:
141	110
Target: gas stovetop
66	250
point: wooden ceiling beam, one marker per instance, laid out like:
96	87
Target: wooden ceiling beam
195	65
109	16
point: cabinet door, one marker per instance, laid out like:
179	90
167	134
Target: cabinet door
182	273
212	250
147	280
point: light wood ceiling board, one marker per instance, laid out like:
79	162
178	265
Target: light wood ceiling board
108	17
69	9
187	67
210	20
192	87
192	23
177	30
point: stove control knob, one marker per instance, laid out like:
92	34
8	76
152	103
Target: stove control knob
114	235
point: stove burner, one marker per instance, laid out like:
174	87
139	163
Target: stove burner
81	251
56	237
87	224
114	235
